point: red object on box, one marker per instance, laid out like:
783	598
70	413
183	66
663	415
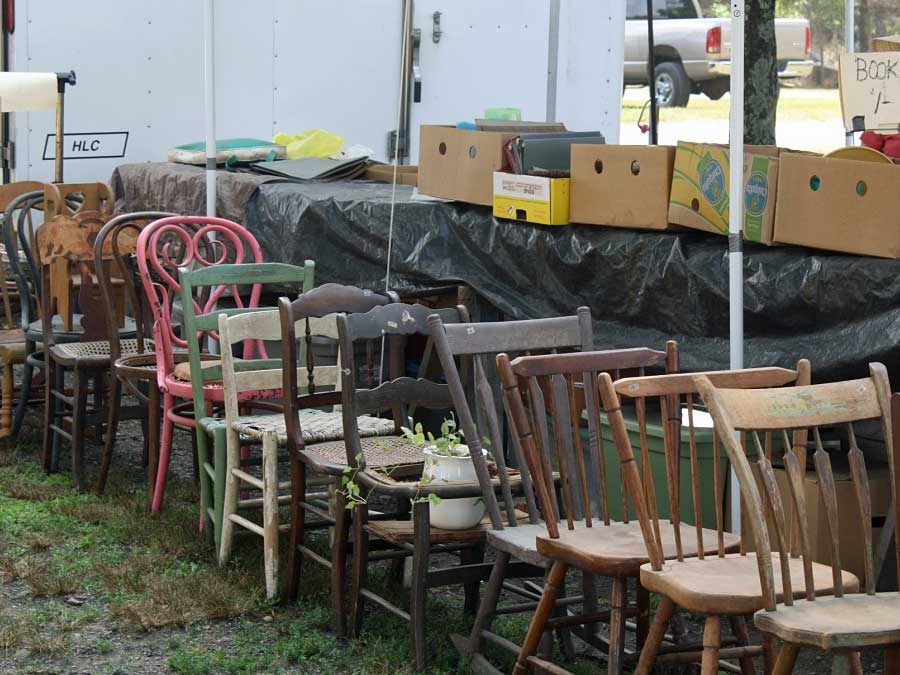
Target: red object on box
889	144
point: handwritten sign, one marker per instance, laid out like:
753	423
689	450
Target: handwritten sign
870	91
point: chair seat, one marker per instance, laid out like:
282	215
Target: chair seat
35	331
96	352
618	549
401	531
11	336
380	452
521	541
730	585
12	352
851	622
317	426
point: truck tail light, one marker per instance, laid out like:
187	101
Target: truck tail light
714	40
808	39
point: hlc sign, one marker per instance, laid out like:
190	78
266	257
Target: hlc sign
96	145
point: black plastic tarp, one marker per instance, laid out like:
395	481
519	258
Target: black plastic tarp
643	288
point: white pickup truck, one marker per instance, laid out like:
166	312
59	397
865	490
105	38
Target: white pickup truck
693	54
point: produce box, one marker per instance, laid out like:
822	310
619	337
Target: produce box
533	199
621	185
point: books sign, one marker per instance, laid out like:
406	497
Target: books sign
870	91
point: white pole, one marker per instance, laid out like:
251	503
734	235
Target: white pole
209	100
736	217
850	43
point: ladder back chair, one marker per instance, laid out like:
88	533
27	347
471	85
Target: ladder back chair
823	611
581	530
133	366
163	247
719	583
475	346
306	391
415	536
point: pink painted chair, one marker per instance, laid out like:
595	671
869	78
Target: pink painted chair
163	247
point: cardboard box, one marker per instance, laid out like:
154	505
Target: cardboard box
384	173
459	163
533	199
888	43
839	205
621	185
700	184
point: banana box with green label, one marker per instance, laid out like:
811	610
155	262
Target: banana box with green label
700	184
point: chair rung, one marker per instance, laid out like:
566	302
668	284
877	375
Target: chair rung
255	502
378	600
286	485
243	522
62	432
502	642
61	396
210	470
247	478
547	667
312	555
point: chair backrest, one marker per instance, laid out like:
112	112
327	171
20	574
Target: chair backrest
542	387
21	201
791	413
477	345
168	244
115	257
312	315
397	394
72	198
659	404
255	369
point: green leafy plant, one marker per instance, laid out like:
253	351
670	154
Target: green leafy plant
449	443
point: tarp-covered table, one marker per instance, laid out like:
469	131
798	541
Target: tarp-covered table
643	288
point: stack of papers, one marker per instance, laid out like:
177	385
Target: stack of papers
312	168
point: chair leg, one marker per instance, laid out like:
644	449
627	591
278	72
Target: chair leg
856	663
488	604
360	569
58	413
49	418
643	617
229	502
787	657
739	630
220	468
617	602
298	525
554	582
655	636
112	428
563	634
338	562
8	394
24	390
201	460
153	439
892	661
79	394
165	449
472	588
421	554
712	639
270	512
840	663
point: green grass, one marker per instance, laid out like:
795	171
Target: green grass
143	573
823	107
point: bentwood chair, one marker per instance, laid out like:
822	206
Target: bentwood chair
475	346
843	622
163	247
580	534
413	536
134	369
719	584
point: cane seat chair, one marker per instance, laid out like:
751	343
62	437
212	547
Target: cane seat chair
722	583
603	545
475	346
822	611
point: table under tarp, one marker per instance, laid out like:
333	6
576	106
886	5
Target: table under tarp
643	287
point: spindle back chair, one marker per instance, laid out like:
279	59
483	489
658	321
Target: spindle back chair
822	611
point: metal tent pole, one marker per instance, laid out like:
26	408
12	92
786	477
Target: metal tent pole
736	218
209	100
651	76
849	45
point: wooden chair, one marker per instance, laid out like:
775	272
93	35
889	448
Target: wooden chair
721	583
313	315
413	536
475	346
842	622
581	532
163	247
12	338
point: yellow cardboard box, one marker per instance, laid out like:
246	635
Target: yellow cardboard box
533	199
700	184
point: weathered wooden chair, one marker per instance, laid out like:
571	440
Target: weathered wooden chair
719	584
310	316
475	346
134	369
589	539
843	622
163	247
405	537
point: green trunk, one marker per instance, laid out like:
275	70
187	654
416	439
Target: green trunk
760	72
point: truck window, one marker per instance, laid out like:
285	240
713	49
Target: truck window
636	9
662	9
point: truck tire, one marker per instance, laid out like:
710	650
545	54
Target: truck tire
673	88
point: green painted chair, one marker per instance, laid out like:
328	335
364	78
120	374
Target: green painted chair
204	371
